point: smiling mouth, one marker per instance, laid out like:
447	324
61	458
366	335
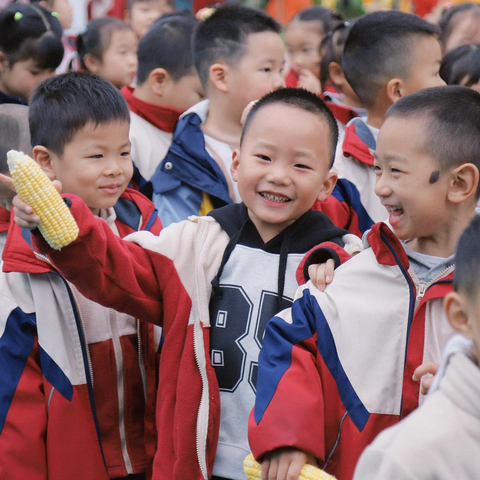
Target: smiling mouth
275	198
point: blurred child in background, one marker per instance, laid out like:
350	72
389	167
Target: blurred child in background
303	37
345	104
141	14
30	50
15	135
108	48
461	66
167	85
460	25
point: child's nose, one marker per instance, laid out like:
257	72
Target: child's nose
382	188
278	175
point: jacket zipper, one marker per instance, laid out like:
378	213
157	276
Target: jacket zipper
141	363
423	287
201	430
117	348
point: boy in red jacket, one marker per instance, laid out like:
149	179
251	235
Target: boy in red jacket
78	380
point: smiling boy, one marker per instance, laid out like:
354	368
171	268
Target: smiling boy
352	350
213	282
239	55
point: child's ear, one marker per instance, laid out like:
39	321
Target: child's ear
44	158
218	76
395	89
456	309
464	183
335	72
158	80
235	164
92	63
328	185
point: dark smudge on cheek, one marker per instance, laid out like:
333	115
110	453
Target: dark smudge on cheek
434	177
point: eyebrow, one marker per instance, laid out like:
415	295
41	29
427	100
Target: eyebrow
390	158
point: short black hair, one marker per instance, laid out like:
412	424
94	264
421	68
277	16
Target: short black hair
467	260
303	99
461	65
63	105
379	48
168	45
452	116
223	36
450	17
15	134
96	37
30	31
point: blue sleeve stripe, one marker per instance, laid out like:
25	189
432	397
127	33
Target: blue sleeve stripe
16	344
348	193
328	350
276	354
53	373
276	357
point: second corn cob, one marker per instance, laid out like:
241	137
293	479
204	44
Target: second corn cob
253	471
57	224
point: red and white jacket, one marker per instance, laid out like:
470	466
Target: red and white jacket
336	369
168	281
52	408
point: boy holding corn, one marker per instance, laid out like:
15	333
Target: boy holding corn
78	380
213	282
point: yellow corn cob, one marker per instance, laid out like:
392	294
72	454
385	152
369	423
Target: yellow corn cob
57	224
253	471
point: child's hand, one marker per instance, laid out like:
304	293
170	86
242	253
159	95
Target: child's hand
425	369
308	81
285	464
321	274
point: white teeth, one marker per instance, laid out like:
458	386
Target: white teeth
274	198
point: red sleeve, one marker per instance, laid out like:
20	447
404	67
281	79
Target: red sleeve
294	416
110	271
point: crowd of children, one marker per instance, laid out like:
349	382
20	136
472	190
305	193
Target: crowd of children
277	242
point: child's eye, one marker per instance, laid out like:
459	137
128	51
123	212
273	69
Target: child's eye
125	154
35	72
377	170
303	167
263	157
98	155
266	69
394	170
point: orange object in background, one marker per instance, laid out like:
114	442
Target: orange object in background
284	10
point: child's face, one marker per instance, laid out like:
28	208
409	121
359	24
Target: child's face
96	165
282	166
119	60
303	46
465	31
426	58
143	15
20	79
259	71
410	184
184	93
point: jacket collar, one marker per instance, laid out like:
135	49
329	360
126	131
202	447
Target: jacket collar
163	118
359	141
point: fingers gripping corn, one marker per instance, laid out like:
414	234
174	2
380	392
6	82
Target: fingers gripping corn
57	224
253	471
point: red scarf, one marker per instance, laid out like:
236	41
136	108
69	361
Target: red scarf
164	118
